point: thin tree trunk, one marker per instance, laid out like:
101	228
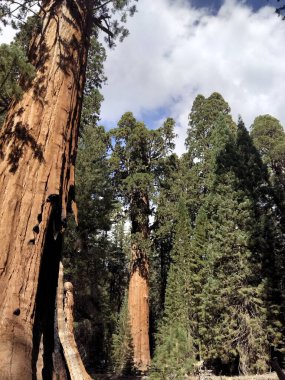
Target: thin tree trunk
138	295
37	155
275	365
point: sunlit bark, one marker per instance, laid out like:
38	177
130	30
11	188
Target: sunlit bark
138	299
37	155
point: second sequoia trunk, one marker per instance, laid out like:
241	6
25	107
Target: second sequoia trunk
138	299
138	162
37	155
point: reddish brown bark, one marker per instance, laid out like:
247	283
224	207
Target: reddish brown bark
37	151
138	296
139	312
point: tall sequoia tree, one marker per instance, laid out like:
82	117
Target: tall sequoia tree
38	144
137	158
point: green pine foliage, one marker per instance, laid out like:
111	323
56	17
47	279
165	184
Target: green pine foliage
114	13
122	345
217	240
95	78
137	157
232	255
204	114
235	291
15	75
95	251
163	232
138	166
269	138
175	354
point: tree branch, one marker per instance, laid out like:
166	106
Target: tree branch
102	5
102	27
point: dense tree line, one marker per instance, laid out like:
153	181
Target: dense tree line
205	231
215	246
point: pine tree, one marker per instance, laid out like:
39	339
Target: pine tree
234	297
204	114
122	343
91	253
175	354
14	66
163	232
269	138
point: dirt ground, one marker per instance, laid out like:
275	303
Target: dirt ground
266	376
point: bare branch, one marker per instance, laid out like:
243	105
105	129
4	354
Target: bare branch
102	5
102	27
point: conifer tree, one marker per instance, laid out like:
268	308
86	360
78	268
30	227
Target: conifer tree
91	253
269	138
175	354
137	158
14	66
202	118
234	297
204	114
122	343
163	232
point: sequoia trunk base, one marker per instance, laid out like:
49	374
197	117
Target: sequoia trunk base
139	310
37	155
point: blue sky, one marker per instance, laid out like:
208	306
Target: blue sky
178	49
216	4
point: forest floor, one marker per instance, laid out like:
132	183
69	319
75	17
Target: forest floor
266	376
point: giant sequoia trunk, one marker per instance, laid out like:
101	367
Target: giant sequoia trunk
138	299
37	154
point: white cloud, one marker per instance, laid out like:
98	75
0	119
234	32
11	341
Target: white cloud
175	52
7	35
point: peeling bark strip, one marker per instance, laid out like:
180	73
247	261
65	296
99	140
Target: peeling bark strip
37	154
65	305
